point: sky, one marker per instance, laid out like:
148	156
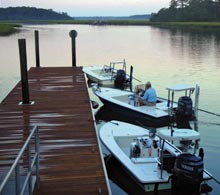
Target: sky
93	7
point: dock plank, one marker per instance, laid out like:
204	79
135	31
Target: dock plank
70	161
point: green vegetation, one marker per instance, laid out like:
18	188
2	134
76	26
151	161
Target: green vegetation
144	22
20	15
89	22
110	22
132	17
186	24
7	29
140	22
31	13
188	11
196	14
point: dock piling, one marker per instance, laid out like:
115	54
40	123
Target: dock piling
37	51
23	68
73	35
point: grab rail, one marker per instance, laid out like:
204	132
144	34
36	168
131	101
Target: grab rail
31	163
161	148
112	65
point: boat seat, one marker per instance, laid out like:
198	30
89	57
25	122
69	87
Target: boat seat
144	160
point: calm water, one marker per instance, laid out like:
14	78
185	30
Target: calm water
163	56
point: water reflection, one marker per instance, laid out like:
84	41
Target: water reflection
195	44
199	44
163	56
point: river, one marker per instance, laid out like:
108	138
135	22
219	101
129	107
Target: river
162	56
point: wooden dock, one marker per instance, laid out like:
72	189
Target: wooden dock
70	159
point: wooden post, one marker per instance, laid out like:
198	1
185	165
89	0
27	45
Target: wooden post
131	77
37	51
23	68
73	35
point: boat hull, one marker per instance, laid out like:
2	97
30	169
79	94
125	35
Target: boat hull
170	169
108	82
137	117
122	177
98	75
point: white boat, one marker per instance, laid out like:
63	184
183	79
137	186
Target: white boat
150	116
151	160
108	75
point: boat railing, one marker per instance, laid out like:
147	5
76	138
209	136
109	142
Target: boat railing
178	151
189	90
17	181
106	69
162	142
113	64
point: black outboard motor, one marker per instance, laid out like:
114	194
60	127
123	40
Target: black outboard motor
185	106
188	172
184	112
120	79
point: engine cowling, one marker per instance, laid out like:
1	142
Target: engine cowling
189	168
185	108
120	79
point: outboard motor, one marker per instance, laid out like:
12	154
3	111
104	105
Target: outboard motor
185	106
188	172
120	79
184	112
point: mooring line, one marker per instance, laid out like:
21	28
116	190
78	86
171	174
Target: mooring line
208	123
209	112
202	110
216	180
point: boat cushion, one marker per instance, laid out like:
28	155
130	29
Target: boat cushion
144	160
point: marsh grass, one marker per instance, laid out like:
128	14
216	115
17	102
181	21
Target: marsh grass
188	24
7	29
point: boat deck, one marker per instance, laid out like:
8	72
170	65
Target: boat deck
120	98
70	159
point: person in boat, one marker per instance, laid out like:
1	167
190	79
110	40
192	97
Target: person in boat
150	96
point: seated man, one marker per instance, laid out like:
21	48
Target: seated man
150	96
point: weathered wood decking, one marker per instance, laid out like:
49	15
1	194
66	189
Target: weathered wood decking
70	161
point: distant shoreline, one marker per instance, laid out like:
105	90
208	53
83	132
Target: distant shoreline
9	27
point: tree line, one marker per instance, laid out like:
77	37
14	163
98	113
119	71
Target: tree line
189	11
31	13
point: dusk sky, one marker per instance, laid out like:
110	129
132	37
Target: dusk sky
93	7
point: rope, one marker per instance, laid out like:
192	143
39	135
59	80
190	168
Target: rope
211	176
209	112
206	111
208	123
